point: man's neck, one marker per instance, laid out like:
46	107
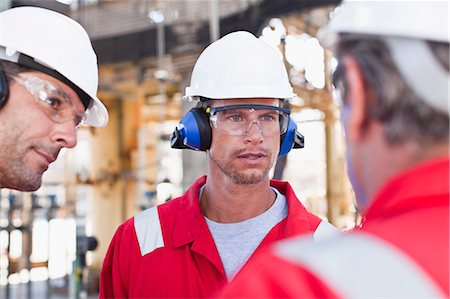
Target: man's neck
392	160
227	202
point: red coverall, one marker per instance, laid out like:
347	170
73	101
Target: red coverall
401	250
168	251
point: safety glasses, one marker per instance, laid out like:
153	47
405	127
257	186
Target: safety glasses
238	120
55	103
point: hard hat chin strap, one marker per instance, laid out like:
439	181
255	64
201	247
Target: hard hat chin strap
421	70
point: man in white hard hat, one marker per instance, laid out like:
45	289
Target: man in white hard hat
48	86
192	246
393	77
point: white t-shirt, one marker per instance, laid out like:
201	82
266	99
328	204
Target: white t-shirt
236	242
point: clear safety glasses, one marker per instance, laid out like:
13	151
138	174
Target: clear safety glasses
238	119
55	103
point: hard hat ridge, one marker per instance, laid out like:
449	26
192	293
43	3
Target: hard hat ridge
239	65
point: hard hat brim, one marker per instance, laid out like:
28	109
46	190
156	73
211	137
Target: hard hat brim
96	114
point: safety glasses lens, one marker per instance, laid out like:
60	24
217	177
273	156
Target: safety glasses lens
54	102
239	119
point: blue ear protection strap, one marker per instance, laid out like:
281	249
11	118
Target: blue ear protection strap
4	90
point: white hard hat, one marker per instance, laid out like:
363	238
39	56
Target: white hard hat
414	19
239	65
405	26
51	42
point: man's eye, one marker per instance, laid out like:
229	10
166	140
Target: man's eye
268	117
54	102
234	118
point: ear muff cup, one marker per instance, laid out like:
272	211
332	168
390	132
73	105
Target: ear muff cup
287	139
4	90
193	131
291	139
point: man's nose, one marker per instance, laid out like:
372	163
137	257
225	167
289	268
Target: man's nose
65	134
254	132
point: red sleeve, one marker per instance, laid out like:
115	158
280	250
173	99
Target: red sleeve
314	220
269	276
111	284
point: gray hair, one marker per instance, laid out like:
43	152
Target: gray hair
391	101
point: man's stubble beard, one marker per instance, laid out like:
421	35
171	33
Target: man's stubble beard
239	177
14	172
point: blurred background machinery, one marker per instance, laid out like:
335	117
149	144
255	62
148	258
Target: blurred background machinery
52	242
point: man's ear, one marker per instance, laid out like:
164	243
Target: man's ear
355	99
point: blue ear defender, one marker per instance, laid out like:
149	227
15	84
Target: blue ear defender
291	139
194	132
4	91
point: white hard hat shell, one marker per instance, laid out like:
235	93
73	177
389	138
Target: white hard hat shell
405	26
428	20
239	65
59	43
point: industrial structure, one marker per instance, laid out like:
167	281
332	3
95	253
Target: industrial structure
146	50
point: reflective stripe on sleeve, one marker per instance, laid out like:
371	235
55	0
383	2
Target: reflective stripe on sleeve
325	230
361	266
148	230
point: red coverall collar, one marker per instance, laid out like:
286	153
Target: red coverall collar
190	222
428	180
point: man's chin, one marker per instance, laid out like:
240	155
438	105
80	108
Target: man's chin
27	184
250	178
31	188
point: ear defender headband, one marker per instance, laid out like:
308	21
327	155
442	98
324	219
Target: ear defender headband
4	91
194	132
